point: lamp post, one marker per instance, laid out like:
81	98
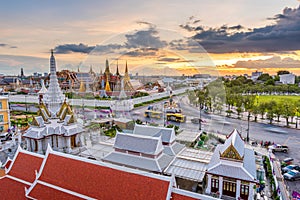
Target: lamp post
248	127
200	124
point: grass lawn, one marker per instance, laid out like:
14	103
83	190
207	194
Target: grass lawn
277	98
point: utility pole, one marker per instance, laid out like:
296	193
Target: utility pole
200	124
248	127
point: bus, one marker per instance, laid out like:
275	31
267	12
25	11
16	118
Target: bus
153	114
176	117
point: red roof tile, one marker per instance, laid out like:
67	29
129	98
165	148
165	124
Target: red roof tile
11	189
7	164
176	196
99	181
40	191
24	166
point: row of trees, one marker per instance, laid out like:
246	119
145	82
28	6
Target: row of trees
214	96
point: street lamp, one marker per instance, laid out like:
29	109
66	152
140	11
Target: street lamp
248	127
200	117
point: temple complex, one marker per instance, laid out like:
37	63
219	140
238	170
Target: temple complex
55	124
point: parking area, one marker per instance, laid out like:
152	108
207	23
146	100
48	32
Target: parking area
291	185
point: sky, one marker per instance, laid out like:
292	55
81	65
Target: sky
154	37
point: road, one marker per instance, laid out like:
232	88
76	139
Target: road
224	125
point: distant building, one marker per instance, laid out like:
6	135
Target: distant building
232	169
4	114
255	75
287	78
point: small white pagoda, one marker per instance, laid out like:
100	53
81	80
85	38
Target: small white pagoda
55	124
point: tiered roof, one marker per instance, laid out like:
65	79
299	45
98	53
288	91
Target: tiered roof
233	159
20	173
137	151
63	176
171	147
54	96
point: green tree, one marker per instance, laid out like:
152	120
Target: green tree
270	107
287	111
278	111
239	104
255	112
262	107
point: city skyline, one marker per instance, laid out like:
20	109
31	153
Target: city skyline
155	37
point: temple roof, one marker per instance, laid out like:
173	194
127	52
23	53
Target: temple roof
51	178
138	143
95	180
24	165
167	134
233	159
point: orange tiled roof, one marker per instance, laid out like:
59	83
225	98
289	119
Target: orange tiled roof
11	189
99	181
25	165
41	191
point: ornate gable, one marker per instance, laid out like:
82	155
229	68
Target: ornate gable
64	110
42	106
34	122
231	153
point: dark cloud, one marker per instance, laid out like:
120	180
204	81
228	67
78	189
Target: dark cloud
141	52
142	42
73	48
144	39
166	59
82	48
146	23
282	35
7	45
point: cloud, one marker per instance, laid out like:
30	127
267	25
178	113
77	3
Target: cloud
144	39
273	62
140	43
73	48
7	45
146	23
282	35
141	52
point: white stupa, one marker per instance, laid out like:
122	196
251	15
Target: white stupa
43	90
54	96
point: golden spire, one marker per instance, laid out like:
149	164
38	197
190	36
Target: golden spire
107	86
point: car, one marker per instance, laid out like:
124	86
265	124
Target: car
292	175
289	168
5	136
278	148
286	162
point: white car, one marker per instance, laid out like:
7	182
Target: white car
292	175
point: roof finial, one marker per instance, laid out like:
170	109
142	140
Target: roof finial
126	69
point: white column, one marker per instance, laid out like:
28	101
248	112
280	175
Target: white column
220	186
40	146
68	144
28	144
238	189
251	191
32	142
50	141
208	188
60	143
